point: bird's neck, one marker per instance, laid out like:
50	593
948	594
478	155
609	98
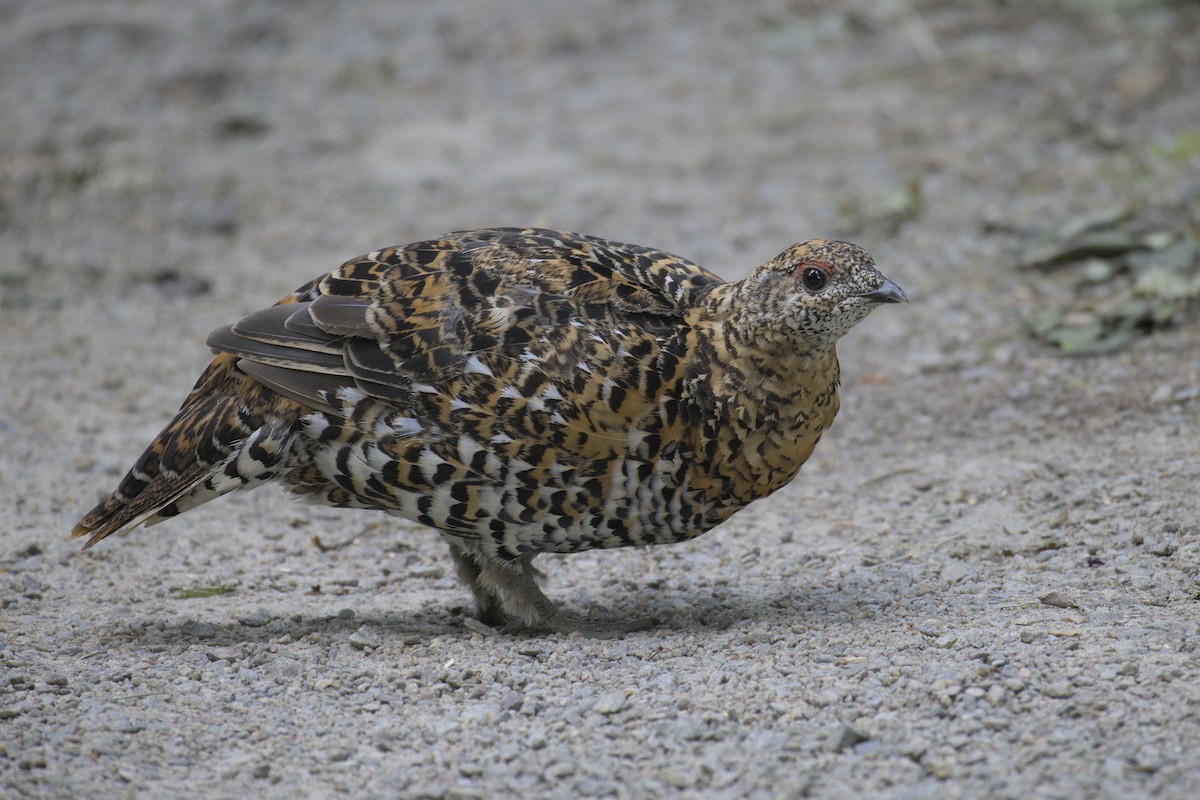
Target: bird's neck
756	360
734	302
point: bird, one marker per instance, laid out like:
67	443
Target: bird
522	391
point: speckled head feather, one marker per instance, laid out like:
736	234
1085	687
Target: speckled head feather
812	294
522	391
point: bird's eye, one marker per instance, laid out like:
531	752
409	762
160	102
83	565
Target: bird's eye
814	279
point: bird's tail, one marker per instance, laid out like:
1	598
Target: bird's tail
231	432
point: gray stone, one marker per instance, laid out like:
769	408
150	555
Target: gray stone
255	619
844	736
1058	689
364	637
1148	758
610	702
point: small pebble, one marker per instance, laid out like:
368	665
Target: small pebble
1059	689
1161	547
956	571
610	702
480	627
843	736
930	627
124	724
1058	600
677	779
255	619
1147	759
194	629
12	711
364	637
223	653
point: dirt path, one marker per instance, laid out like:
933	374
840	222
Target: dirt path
984	584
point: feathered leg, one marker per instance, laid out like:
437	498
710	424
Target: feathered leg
507	594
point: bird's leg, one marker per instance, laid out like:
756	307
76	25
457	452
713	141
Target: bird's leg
468	572
508	595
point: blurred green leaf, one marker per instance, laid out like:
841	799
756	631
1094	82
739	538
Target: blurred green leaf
1098	244
204	591
1127	283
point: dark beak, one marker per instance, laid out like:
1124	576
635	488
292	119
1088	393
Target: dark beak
887	292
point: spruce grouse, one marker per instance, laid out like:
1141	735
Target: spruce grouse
523	391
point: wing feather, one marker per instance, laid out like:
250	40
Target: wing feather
227	340
313	389
274	325
524	334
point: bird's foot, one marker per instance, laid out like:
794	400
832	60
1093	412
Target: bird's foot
508	598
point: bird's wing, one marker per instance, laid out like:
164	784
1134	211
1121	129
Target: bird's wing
517	333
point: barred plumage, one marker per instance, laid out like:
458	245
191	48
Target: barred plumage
521	390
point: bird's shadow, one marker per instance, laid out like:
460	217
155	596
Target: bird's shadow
703	614
293	627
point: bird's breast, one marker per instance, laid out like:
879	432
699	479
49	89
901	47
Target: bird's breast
756	432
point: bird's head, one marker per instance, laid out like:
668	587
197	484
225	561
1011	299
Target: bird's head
813	293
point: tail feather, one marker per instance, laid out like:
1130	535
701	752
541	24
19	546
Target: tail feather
257	459
230	432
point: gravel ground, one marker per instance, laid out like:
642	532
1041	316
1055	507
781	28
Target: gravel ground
985	583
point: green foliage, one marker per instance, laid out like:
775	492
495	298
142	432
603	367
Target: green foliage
1126	284
203	591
